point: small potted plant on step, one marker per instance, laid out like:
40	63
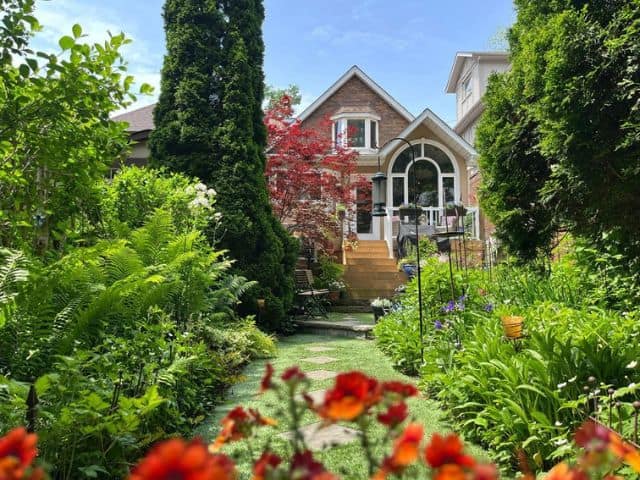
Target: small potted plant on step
380	307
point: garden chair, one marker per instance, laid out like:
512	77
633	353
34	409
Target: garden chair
311	300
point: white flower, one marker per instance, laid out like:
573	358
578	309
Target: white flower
217	215
572	379
558	423
633	364
562	441
211	192
632	384
562	385
201	187
199	202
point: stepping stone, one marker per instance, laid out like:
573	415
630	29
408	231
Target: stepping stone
318	437
319	349
321	374
317	396
319	360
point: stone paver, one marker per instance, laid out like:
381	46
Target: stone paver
319	348
319	437
317	396
320	360
321	374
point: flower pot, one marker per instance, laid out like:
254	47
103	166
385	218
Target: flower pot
334	295
512	326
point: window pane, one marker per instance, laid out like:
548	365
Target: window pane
426	181
364	220
404	159
398	191
336	131
355	132
374	134
448	184
438	156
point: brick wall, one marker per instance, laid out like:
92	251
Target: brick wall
355	93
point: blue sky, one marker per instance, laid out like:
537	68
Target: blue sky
407	46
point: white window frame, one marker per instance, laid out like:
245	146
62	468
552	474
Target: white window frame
342	121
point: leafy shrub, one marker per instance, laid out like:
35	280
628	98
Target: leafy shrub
524	396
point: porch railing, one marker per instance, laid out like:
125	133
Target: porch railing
433	216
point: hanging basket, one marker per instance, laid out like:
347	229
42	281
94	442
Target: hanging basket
513	326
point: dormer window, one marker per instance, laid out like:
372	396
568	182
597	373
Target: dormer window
356	130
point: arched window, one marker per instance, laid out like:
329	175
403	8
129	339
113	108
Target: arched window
434	172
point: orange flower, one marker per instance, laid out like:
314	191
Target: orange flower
20	444
353	394
450	471
268	461
265	384
178	460
395	415
238	424
445	450
563	472
624	451
305	467
405	390
405	452
17	452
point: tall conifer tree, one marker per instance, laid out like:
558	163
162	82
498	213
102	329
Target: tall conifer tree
209	123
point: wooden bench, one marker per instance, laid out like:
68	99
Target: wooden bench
312	301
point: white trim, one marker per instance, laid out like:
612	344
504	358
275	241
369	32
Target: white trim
458	63
355	71
445	130
456	175
357	116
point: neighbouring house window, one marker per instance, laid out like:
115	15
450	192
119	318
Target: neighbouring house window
466	87
354	131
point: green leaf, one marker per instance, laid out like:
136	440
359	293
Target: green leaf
33	63
66	42
77	30
146	89
24	70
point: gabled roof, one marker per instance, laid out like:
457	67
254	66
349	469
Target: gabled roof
140	120
355	71
458	64
436	124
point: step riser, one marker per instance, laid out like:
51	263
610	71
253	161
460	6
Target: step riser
354	262
365	278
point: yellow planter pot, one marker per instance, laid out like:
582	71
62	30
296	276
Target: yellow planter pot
512	326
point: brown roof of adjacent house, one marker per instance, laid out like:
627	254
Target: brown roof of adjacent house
140	120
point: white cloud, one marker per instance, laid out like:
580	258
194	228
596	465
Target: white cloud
374	40
98	20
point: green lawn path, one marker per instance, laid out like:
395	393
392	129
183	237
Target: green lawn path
351	354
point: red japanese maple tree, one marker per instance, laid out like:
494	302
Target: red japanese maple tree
311	178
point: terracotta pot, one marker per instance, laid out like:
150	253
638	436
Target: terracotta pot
512	326
334	296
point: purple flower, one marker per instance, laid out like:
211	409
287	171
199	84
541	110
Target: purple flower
488	307
449	307
438	325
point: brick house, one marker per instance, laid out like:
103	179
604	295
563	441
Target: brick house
446	167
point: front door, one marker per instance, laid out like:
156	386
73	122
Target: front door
367	226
